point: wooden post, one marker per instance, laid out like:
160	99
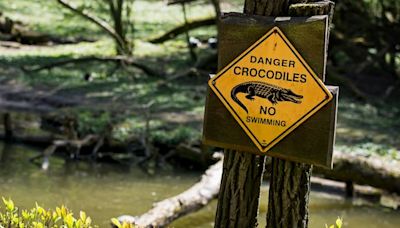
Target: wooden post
239	194
290	181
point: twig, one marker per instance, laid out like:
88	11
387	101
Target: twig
99	22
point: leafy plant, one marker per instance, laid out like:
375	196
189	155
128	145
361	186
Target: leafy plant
339	223
38	217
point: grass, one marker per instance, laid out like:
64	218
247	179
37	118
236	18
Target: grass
116	94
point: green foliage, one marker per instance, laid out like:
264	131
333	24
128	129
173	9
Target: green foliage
176	135
366	31
367	149
368	127
93	123
38	217
339	224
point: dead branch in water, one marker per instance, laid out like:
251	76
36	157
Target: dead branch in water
191	200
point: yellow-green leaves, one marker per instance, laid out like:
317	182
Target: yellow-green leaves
39	217
118	224
9	204
339	223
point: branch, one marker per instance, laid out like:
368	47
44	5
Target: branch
122	59
182	29
193	199
77	144
99	22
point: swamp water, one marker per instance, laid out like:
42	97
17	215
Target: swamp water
105	191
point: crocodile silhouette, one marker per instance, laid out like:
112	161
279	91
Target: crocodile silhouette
271	92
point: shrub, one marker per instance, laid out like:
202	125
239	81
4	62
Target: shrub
38	217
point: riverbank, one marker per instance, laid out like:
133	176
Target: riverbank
129	190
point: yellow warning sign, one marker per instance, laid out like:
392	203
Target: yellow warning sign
270	90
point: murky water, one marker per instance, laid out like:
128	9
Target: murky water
106	191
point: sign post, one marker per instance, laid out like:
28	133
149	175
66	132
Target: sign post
269	99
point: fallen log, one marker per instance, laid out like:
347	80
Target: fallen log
16	31
182	29
372	171
347	167
191	200
149	70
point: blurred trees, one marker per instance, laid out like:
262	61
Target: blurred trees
366	36
118	25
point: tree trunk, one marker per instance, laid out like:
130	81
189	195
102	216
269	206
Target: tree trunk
187	36
290	182
116	11
8	131
217	8
240	190
288	194
242	172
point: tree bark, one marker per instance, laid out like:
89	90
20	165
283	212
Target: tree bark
290	182
266	7
240	190
288	194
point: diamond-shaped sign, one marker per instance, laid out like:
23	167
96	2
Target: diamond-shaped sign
270	89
